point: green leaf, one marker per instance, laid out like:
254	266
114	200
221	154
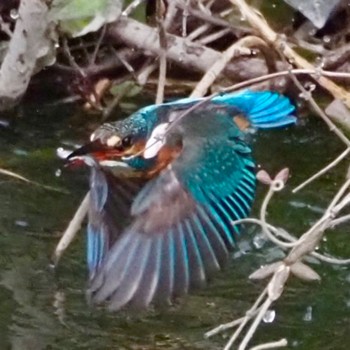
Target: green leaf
79	17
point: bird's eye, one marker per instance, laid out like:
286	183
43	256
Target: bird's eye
127	141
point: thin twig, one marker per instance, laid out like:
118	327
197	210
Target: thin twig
131	7
322	171
124	62
71	59
296	71
254	325
264	225
331	260
255	309
162	56
72	229
340	220
22	178
240	321
224	327
339	194
98	45
287	236
327	120
210	18
320	112
214	36
185	14
198	32
271	345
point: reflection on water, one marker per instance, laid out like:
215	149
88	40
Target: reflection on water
45	309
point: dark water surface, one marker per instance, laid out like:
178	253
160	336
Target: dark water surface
45	309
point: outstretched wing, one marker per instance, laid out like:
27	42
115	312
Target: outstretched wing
109	213
263	109
182	232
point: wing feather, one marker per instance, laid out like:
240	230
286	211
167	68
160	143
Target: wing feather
182	273
132	278
150	279
194	256
165	285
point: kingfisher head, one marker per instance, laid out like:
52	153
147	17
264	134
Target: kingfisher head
113	144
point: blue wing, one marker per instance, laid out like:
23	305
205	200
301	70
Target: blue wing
181	232
109	213
263	109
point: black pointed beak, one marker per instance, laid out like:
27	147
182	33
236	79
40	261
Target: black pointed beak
90	148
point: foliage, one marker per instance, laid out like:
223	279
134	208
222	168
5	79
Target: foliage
79	17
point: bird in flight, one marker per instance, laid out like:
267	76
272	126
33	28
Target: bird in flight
165	185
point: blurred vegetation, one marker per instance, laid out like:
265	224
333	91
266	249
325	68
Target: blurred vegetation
92	60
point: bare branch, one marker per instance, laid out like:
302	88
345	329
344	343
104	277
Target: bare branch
29	43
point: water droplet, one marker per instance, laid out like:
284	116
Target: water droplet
295	343
58	172
14	14
326	39
319	62
281	83
308	314
269	316
20	152
21	223
312	31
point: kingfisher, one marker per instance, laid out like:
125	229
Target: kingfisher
166	184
